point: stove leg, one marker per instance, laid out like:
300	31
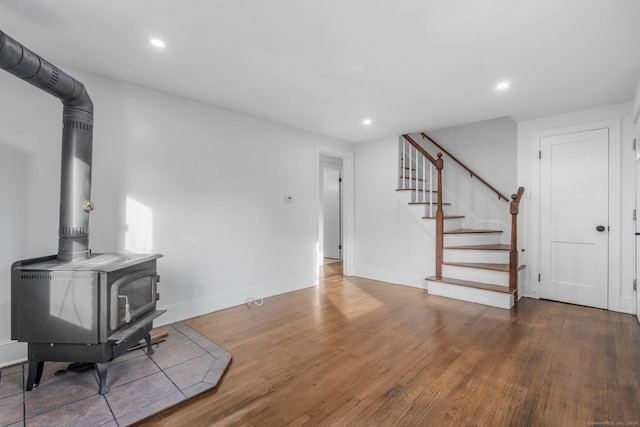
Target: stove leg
35	374
150	349
102	369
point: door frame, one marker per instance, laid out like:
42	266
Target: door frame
614	273
636	221
347	207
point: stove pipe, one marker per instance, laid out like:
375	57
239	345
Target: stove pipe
77	141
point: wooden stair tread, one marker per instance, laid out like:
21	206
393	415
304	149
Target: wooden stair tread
475	285
414	178
415	189
483	266
445	217
472	231
429	203
506	248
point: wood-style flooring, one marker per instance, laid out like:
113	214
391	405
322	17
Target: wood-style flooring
354	352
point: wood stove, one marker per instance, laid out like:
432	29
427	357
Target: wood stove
87	311
75	306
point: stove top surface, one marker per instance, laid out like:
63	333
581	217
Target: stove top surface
98	262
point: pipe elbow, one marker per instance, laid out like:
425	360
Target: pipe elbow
37	71
79	99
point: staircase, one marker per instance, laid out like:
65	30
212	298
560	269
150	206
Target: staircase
475	265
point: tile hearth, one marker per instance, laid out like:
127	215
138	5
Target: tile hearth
184	365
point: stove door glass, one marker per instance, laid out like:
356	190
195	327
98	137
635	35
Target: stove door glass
131	296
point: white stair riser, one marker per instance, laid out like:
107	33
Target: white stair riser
419	196
426	211
412	183
476	275
423	210
420	181
466	255
449	224
453	224
471	239
463	293
408	196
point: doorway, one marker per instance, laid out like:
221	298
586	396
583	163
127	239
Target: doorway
330	209
332	213
637	226
339	240
574	217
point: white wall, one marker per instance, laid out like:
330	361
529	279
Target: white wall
390	244
14	182
213	181
622	237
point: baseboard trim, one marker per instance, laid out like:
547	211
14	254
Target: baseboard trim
627	305
210	303
12	352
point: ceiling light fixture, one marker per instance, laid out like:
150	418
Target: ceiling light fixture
367	122
502	86
157	43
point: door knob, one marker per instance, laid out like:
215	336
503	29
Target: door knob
600	228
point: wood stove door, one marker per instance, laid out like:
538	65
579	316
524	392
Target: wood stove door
132	296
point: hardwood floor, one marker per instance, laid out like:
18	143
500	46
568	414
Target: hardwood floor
357	352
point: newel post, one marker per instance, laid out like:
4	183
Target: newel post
514	208
439	220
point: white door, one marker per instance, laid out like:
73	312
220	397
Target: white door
332	216
574	212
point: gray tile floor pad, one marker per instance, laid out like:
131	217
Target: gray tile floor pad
184	365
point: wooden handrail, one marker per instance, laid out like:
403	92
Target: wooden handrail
514	208
420	149
473	174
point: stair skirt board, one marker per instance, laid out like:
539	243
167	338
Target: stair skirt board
478	296
494	277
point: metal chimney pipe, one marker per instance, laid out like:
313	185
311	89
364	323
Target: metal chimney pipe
77	142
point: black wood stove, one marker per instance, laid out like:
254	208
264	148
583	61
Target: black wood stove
86	311
75	306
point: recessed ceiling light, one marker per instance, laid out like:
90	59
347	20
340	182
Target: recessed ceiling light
367	122
157	42
502	86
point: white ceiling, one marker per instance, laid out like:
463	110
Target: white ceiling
325	65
